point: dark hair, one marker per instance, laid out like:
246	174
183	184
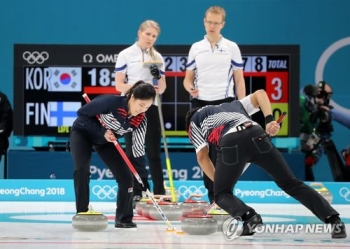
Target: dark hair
189	115
141	90
310	90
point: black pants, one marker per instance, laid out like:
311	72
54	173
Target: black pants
4	144
212	149
81	149
233	155
153	152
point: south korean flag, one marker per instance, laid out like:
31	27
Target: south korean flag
65	79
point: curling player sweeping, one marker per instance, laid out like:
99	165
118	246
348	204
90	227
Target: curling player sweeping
239	141
120	114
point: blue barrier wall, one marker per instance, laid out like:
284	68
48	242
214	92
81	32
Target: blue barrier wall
40	165
106	191
319	26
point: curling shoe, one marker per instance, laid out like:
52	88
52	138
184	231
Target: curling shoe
250	224
338	230
119	224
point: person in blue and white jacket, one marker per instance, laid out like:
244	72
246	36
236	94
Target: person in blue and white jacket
121	115
240	141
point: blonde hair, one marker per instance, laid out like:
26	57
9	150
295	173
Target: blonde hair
216	10
150	24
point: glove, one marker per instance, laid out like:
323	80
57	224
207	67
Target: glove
145	184
155	72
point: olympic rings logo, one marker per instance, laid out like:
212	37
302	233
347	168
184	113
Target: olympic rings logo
105	192
186	191
345	193
35	57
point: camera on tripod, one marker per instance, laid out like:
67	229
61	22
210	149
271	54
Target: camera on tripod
316	130
320	116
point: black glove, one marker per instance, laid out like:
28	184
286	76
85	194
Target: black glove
155	72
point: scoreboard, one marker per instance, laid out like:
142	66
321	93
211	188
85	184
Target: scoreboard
49	81
272	73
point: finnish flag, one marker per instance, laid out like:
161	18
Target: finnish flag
65	79
62	113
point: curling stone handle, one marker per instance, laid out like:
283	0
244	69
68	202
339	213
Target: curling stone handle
195	196
157	196
208	209
316	184
199	209
165	197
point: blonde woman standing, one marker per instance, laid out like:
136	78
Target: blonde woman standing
129	69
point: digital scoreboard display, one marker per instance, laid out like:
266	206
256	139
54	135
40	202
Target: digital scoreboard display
272	73
49	81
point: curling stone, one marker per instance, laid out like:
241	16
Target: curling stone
199	224
322	190
172	210
90	221
143	202
220	216
168	191
190	205
139	205
145	208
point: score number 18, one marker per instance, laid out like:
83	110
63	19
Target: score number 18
101	76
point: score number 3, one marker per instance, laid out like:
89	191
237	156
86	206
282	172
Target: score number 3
276	94
277	86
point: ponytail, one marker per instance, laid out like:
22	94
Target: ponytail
141	90
152	53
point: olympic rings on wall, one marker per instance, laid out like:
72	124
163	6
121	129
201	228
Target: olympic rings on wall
345	193
105	192
35	57
186	191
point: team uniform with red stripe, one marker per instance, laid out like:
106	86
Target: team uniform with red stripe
131	63
240	141
87	134
210	124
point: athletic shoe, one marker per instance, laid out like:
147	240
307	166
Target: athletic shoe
125	225
251	224
338	230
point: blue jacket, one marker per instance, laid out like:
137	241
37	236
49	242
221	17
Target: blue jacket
113	111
